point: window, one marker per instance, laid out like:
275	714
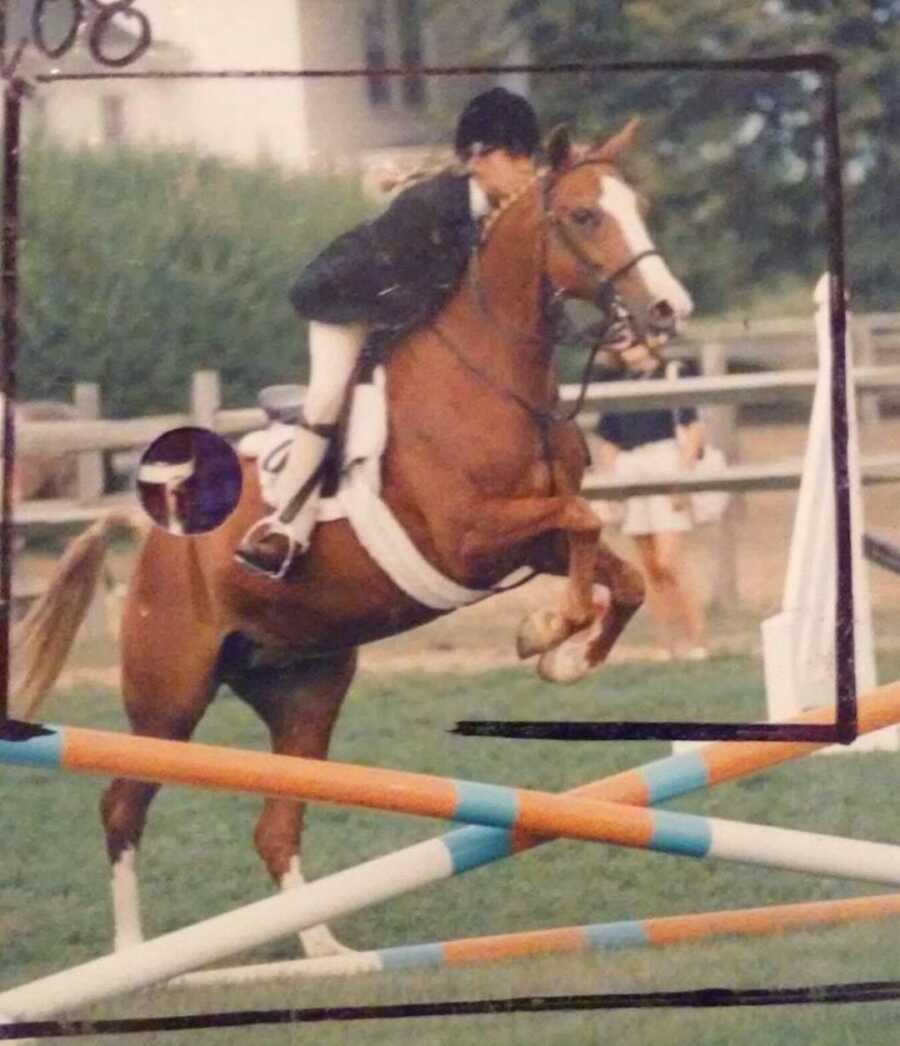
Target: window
375	43
409	16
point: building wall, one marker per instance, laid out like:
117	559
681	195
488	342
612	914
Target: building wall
294	122
244	119
343	119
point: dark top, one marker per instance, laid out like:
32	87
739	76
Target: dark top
399	269
635	428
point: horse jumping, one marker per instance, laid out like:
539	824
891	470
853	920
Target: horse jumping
483	473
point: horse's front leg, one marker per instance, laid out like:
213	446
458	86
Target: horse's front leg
503	523
618	595
626	587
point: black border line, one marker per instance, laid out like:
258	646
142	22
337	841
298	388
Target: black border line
812	61
644	730
9	332
845	647
844	730
845	724
703	998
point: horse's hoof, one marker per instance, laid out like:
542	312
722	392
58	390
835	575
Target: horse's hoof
539	632
565	664
571	660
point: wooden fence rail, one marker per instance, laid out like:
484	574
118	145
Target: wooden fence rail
731	389
719	394
738	479
92	436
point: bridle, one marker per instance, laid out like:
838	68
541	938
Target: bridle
604	285
615	320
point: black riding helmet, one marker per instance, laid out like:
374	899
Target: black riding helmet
497	119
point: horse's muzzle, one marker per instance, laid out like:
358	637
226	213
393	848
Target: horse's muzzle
663	321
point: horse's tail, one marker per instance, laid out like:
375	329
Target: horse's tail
41	641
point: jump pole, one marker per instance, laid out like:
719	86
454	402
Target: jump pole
400	872
594	937
471	802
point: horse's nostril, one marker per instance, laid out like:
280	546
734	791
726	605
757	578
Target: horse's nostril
662	315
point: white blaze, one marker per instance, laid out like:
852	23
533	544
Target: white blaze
620	201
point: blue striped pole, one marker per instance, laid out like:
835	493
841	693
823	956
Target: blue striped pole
472	802
395	874
566	940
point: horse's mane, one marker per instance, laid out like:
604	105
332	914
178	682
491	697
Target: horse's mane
497	212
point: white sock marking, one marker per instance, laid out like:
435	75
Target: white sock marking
126	901
317	941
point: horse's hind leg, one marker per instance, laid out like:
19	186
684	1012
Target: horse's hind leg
299	705
164	697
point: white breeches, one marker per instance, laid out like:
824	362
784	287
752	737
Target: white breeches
333	353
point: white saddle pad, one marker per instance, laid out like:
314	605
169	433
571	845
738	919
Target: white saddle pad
358	500
366	440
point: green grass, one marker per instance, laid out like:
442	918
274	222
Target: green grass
198	861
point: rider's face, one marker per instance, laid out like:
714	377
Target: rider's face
500	173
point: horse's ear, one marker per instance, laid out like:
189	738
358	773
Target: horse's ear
559	147
609	151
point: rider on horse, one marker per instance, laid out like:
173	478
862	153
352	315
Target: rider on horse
388	276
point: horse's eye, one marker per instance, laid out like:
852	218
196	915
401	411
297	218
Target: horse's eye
585	217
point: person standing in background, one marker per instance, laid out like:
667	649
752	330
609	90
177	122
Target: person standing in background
636	444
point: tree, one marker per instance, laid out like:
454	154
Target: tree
737	157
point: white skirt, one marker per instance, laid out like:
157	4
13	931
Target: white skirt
652	513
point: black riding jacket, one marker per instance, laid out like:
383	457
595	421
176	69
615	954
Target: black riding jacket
396	271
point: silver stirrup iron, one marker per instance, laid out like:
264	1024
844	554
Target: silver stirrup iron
263	527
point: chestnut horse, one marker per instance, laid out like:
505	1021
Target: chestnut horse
483	471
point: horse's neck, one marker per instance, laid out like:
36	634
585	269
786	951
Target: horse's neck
510	269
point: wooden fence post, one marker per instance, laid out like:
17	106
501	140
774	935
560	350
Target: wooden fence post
90	462
721	429
86	397
206	398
